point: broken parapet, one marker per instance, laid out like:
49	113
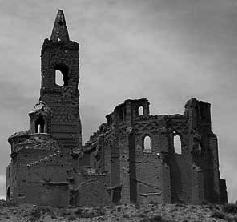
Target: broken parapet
161	158
37	173
19	141
40	118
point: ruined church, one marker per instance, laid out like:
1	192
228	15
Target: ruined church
134	157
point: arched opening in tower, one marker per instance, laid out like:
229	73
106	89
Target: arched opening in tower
61	75
59	78
40	125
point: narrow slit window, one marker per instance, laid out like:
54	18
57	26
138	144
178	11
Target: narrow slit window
177	144
147	144
38	128
8	193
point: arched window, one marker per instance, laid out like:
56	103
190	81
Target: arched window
140	111
61	75
177	144
147	144
40	125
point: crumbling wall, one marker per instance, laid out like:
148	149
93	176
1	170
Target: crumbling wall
152	170
47	176
44	158
39	170
180	161
52	177
203	147
223	191
49	194
149	179
60	54
189	176
91	190
26	148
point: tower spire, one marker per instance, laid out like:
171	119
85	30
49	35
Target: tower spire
60	32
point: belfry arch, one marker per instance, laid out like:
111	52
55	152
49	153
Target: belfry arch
40	125
61	74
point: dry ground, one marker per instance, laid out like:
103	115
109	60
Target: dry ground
123	213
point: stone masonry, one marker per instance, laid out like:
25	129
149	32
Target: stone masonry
133	157
138	152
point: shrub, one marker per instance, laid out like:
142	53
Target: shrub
126	216
71	217
79	211
142	215
179	205
37	211
89	212
231	218
156	218
137	206
230	208
100	211
35	214
218	215
4	203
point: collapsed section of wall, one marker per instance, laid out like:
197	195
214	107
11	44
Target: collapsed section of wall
162	158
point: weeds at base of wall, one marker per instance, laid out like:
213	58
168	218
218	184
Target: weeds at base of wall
227	212
156	218
230	208
85	212
4	203
37	212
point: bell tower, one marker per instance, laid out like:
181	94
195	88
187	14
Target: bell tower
60	55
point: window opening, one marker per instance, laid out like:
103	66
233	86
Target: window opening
39	125
8	193
59	78
61	75
140	111
38	128
147	144
177	144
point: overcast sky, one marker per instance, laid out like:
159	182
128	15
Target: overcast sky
165	50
